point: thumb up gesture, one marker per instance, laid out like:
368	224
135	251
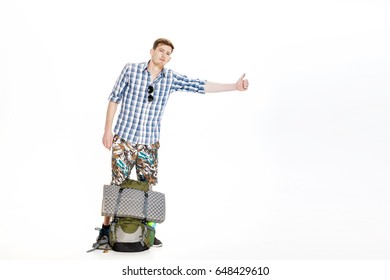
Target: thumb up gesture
242	84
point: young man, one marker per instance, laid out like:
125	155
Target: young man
143	90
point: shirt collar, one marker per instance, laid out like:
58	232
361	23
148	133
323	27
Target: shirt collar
145	68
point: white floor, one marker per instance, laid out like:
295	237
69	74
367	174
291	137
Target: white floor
225	222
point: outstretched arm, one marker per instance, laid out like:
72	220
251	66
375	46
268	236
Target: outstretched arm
240	85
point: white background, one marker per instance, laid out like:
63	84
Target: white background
296	168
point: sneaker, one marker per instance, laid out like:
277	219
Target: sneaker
157	243
103	234
101	240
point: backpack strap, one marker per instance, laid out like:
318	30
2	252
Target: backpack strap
118	200
145	210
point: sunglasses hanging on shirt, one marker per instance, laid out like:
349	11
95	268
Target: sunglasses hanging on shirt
150	91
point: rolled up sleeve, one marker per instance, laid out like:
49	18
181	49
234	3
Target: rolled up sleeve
120	84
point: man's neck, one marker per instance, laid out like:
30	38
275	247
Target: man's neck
154	69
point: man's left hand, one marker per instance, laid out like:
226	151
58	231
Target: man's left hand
242	84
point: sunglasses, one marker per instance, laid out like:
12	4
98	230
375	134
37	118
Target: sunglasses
150	91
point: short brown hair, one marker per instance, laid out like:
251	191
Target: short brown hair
164	42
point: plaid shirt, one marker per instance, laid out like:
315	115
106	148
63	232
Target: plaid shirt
139	120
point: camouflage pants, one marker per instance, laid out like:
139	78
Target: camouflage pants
126	155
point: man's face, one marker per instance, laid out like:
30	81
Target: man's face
161	55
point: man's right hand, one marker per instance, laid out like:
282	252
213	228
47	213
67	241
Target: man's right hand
107	139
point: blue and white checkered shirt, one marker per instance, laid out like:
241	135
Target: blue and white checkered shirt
139	120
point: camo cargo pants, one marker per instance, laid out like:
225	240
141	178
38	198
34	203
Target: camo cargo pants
126	155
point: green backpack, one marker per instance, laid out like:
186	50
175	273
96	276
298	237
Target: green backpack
130	234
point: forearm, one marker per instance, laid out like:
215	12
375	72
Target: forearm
217	87
111	110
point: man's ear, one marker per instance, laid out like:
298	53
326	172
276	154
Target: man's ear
151	52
